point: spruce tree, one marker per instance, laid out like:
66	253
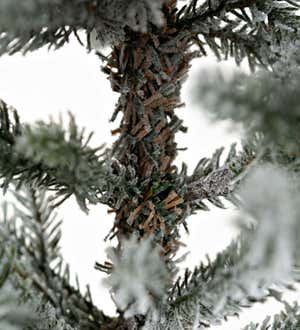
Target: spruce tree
152	44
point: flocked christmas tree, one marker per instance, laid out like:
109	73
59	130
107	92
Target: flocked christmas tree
152	45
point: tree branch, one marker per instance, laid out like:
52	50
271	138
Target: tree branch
35	232
224	5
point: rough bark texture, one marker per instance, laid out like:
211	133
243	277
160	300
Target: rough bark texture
148	70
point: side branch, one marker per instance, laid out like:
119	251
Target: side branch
50	156
240	29
29	25
206	11
35	234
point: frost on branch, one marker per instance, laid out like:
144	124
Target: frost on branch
53	144
140	12
55	21
39	276
137	178
266	102
245	271
287	319
13	316
242	29
139	276
268	197
66	155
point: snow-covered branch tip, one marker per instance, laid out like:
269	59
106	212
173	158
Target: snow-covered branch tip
51	156
138	278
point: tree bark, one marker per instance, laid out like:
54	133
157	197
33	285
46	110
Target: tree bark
148	70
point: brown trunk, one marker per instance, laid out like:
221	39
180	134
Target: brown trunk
147	70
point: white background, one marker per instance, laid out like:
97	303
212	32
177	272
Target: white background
45	83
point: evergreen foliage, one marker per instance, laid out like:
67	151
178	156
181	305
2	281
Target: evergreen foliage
56	21
243	274
31	154
152	45
287	319
143	263
267	99
39	274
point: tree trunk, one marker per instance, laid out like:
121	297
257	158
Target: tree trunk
147	70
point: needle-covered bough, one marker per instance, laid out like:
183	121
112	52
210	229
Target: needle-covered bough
153	43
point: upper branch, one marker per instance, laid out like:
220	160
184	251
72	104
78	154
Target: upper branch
28	25
210	12
241	29
266	102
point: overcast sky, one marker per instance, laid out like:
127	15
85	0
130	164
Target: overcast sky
45	83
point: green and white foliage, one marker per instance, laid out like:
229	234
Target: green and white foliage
50	155
38	274
65	152
268	195
287	319
46	316
247	269
12	316
261	179
55	21
61	160
266	102
213	179
136	272
242	29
